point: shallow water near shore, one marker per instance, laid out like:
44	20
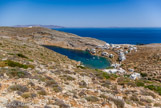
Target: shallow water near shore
91	61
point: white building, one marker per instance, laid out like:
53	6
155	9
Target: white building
116	65
111	56
135	76
113	71
126	52
104	54
122	56
93	51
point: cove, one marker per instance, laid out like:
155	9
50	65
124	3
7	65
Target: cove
87	59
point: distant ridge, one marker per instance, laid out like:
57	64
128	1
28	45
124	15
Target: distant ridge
46	26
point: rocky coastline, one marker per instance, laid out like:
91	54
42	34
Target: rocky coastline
32	76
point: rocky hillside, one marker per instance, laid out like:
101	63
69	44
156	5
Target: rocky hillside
32	76
147	61
44	36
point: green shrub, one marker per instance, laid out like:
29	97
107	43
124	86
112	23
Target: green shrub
26	95
110	67
148	93
15	64
146	100
2	64
57	89
67	77
154	88
54	85
106	75
134	98
118	102
92	99
157	104
107	84
20	88
139	83
143	74
42	92
102	75
18	74
22	56
39	78
103	96
31	60
51	83
82	67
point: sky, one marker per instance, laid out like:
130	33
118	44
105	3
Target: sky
81	13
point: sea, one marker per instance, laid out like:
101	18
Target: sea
110	35
86	59
119	35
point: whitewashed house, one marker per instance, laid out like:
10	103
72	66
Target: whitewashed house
111	56
122	56
116	65
112	45
135	76
93	51
104	53
131	70
126	52
113	71
110	71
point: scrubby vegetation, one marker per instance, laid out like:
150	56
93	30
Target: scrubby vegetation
154	88
92	99
14	73
42	92
22	56
14	64
119	103
20	88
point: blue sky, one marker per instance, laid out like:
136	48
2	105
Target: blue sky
82	13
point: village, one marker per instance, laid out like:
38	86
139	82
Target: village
116	54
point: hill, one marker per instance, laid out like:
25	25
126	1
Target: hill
33	76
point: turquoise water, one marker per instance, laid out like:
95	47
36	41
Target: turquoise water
86	58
